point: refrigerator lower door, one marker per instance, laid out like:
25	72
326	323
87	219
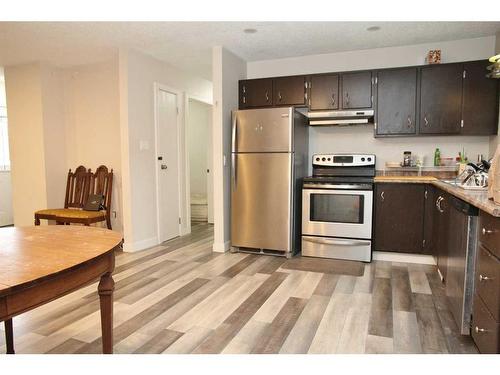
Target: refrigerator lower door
261	190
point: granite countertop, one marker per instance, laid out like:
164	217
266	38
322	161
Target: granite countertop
478	199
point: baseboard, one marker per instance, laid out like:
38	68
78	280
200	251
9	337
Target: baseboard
403	257
220	247
131	247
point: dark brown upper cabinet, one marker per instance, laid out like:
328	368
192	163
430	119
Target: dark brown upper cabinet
256	93
441	99
480	100
357	90
324	93
396	101
289	91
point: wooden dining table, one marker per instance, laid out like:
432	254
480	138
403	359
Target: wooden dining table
42	263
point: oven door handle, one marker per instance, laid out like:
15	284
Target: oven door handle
338	242
322	186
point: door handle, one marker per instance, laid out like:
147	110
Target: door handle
233	170
164	166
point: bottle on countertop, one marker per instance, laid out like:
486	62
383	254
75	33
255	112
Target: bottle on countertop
437	157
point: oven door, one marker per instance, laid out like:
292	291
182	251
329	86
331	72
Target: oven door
337	213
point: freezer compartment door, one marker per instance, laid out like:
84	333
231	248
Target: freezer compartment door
261	192
262	130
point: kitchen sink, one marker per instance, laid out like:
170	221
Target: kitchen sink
465	187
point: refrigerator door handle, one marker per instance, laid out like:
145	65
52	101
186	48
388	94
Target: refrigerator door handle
234	170
234	134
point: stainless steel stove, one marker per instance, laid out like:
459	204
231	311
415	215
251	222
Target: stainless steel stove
337	207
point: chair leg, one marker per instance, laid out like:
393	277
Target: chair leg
108	222
37	220
9	336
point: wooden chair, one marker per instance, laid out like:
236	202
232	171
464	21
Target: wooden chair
79	186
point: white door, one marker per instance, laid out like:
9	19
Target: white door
210	180
168	165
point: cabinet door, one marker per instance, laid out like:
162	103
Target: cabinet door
480	100
256	93
396	101
441	232
399	217
429	208
357	90
324	92
289	91
441	99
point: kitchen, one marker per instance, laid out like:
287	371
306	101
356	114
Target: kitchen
428	208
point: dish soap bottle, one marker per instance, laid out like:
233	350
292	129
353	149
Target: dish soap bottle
437	157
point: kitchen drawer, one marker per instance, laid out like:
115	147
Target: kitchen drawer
485	330
488	281
489	232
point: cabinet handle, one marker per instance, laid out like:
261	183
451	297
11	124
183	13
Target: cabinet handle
425	121
409	121
333	99
382	196
425	194
484	278
480	330
279	96
244	89
486	231
244	100
267	96
347	99
438	204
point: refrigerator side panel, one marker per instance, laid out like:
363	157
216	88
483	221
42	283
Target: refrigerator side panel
262	130
261	189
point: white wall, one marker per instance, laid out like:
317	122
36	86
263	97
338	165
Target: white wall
227	70
6	215
92	124
199	120
360	138
26	141
138	73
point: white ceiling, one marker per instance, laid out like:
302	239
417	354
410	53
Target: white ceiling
188	44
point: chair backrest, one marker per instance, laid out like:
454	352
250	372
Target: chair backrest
77	187
102	183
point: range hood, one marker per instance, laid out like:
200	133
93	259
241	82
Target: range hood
340	117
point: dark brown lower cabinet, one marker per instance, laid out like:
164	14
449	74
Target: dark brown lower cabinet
441	231
399	217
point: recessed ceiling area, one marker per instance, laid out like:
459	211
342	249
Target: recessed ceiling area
188	44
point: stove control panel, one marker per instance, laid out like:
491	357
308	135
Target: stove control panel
343	160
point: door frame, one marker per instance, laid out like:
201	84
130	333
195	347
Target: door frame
187	97
161	87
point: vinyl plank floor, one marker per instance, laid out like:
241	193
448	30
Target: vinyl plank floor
180	297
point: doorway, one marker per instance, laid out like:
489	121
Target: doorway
6	214
199	143
167	162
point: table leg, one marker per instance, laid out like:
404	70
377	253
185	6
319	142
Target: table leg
9	336
106	287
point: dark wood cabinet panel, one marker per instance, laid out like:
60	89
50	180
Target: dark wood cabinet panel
485	330
256	93
429	208
441	99
480	100
289	91
441	231
324	92
396	101
488	280
356	90
399	217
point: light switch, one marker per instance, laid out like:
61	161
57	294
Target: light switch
143	145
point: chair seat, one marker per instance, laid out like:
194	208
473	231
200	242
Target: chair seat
72	213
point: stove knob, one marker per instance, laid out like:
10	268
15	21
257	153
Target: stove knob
362	159
369	159
323	159
317	159
329	159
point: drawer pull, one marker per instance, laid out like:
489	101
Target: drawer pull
487	231
484	278
480	330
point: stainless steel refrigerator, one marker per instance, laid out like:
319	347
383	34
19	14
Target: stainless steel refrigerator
269	160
